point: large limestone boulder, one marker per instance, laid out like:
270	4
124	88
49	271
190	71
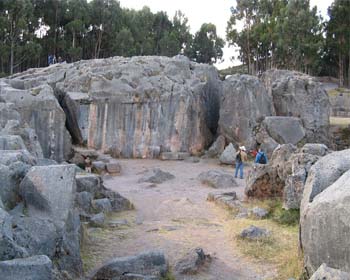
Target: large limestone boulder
263	182
130	107
12	126
217	147
244	105
285	129
298	95
150	265
324	221
327	273
324	173
32	268
217	179
11	142
49	191
39	108
9	249
301	164
156	175
49	195
228	156
325	227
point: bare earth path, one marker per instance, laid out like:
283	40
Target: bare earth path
174	217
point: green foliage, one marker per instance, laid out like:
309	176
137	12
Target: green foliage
284	34
81	29
207	46
281	216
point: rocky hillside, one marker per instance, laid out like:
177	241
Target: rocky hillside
144	106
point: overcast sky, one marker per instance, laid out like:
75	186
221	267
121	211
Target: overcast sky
198	12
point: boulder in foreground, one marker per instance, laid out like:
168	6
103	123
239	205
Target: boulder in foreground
326	273
151	264
32	268
217	179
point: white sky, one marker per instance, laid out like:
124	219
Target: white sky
198	12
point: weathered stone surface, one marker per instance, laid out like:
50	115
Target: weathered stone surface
11	142
325	214
150	264
83	201
315	149
39	236
192	262
295	182
285	129
281	160
8	157
226	199
254	233
31	268
49	191
217	179
97	220
11	124
217	147
156	176
324	173
8	187
244	105
298	95
125	105
45	162
89	183
39	108
9	249
102	205
113	168
327	273
263	182
228	156
119	203
99	167
174	156
259	213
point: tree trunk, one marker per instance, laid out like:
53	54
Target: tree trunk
12	56
349	70
73	43
341	70
248	49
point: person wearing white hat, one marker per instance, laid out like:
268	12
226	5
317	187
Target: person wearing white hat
241	158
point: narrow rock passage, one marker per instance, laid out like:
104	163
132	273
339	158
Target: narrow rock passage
174	217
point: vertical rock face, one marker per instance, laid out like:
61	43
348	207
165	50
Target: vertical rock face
325	212
132	107
244	105
297	95
38	107
325	228
141	106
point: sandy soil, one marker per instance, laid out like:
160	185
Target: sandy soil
174	217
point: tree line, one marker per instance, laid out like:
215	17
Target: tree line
286	34
33	30
289	34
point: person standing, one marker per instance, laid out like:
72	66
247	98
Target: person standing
261	157
241	158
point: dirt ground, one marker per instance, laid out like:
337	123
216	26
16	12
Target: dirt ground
172	217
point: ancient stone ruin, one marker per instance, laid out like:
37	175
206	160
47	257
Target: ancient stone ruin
52	118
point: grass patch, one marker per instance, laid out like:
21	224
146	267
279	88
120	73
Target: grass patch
169	276
337	91
338	121
281	248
